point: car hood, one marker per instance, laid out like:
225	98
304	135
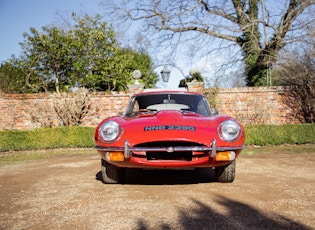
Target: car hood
170	126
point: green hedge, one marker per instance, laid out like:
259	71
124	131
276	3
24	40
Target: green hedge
280	134
46	138
68	137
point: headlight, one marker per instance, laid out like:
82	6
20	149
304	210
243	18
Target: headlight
229	130
110	131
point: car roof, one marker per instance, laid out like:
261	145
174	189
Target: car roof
165	91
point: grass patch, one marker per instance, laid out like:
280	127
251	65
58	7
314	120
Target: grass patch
286	149
12	157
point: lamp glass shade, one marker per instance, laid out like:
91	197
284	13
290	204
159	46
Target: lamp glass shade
165	74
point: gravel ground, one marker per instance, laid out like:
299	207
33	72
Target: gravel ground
271	191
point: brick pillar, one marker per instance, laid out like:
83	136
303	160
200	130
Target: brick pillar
195	86
135	88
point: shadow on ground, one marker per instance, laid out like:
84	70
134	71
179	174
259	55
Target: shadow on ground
237	216
166	177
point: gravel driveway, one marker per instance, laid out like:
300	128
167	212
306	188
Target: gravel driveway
271	191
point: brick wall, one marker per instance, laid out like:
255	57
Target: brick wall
17	109
23	111
255	105
249	105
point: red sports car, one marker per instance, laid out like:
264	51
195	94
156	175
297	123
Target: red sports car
169	130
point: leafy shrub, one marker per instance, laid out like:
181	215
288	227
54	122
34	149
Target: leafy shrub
45	138
280	134
77	136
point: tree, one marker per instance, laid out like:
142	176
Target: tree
260	28
101	62
95	53
16	77
195	76
86	55
140	60
297	74
49	54
11	80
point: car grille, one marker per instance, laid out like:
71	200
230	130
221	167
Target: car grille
178	156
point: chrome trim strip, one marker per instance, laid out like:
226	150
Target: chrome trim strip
108	149
128	150
175	149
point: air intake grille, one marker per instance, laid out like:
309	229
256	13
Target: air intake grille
161	155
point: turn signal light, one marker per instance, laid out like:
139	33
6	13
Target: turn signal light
116	156
225	156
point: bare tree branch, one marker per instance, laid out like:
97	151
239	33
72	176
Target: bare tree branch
241	22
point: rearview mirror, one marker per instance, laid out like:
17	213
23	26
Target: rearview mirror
168	101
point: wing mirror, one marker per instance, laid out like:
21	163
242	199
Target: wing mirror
215	112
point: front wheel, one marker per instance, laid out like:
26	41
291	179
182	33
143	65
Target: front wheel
112	174
225	174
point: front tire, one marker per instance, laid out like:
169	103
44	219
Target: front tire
112	174
225	174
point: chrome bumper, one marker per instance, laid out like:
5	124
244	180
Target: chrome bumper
128	150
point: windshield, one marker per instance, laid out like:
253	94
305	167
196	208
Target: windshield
170	101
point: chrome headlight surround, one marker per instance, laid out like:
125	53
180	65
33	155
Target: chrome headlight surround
110	131
229	130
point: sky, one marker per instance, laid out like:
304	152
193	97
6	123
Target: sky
17	16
